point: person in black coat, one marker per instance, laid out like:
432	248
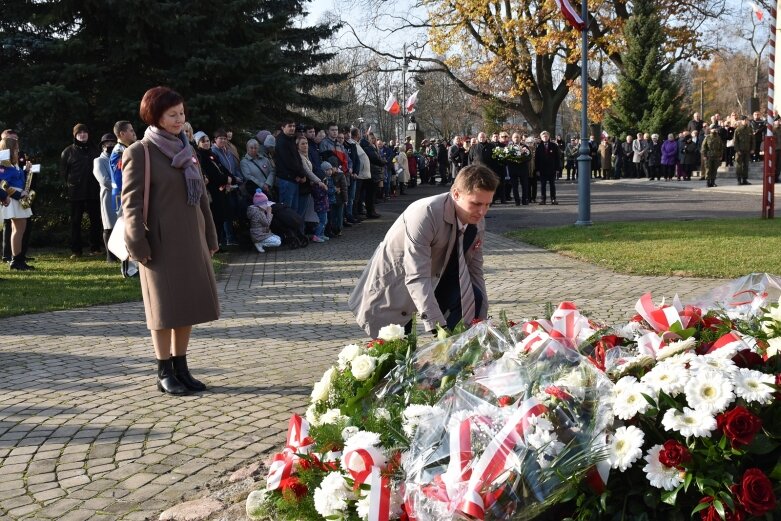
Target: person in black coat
217	180
547	164
83	189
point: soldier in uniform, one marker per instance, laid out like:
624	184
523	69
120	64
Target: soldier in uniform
742	144
712	149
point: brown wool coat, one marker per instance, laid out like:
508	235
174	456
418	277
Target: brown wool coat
178	283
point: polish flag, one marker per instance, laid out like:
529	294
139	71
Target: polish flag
409	105
757	11
392	105
571	14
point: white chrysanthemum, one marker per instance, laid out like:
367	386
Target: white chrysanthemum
714	363
332	416
382	413
322	388
675	348
332	495
348	354
690	422
311	416
363	367
626	447
680	360
363	504
774	346
659	475
362	439
632	363
709	391
414	415
391	332
546	443
348	432
628	399
753	386
669	378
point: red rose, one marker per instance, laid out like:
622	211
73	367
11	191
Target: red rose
674	454
710	513
778	386
756	493
739	425
505	400
293	487
747	359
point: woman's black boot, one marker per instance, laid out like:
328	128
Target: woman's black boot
182	374
166	380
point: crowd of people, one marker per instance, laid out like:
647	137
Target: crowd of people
299	184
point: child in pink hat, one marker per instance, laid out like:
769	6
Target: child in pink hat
259	215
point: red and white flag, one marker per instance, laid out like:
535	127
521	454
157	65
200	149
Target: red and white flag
758	12
571	14
409	105
392	105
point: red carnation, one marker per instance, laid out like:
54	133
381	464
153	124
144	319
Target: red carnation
292	486
674	454
558	392
376	342
755	493
739	425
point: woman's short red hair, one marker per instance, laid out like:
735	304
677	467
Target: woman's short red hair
156	101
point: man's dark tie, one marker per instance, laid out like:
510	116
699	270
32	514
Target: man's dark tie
465	240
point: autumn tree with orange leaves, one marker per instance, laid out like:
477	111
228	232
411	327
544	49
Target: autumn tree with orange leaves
523	55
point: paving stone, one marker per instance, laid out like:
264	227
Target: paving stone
196	510
82	412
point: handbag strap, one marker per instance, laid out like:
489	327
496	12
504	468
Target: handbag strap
146	180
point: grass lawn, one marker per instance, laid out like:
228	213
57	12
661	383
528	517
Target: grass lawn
721	248
61	283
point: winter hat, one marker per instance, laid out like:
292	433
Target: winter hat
198	136
262	135
108	138
325	166
270	141
260	199
79	127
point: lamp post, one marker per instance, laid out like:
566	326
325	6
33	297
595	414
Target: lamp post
404	69
584	159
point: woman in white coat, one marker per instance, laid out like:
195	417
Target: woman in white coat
102	172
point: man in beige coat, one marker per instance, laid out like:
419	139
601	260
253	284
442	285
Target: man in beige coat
412	269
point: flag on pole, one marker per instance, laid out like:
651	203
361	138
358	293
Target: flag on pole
571	14
392	105
757	11
409	105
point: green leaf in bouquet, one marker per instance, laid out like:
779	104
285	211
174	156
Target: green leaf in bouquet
719	506
707	486
700	506
671	496
678	329
723	442
762	444
687	481
776	472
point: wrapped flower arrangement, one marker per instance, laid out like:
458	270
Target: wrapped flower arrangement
673	415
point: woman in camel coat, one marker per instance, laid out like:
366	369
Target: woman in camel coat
175	246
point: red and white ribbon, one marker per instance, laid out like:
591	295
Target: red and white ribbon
566	327
360	462
379	496
298	442
497	458
732	341
662	317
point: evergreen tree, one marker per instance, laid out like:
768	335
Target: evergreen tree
243	63
649	96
